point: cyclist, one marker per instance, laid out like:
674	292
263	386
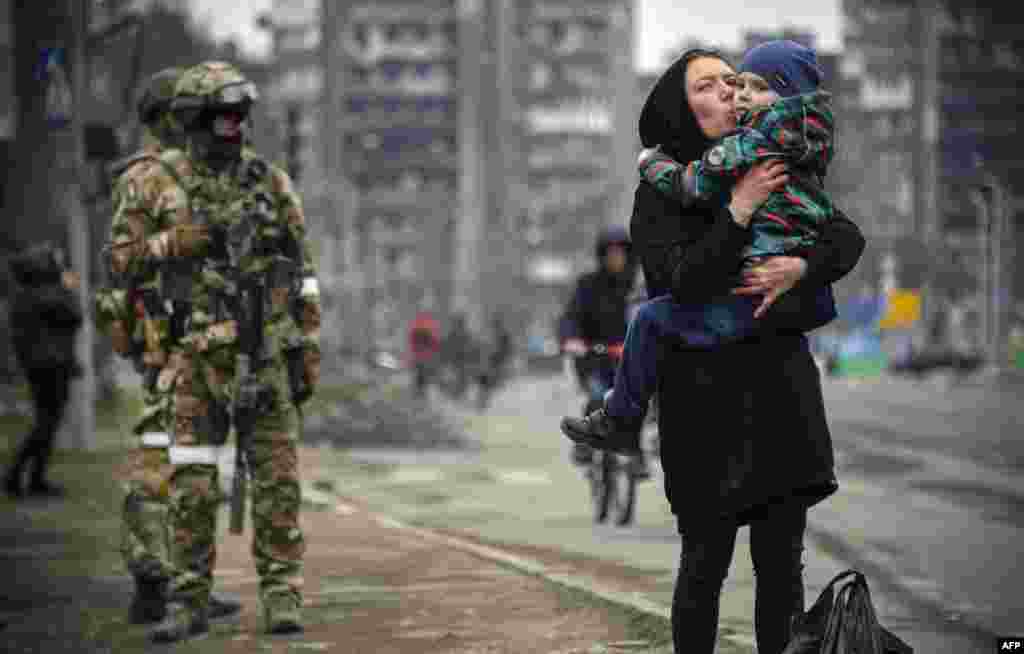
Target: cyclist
597	315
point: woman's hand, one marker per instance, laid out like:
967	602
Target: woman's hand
754	187
771	277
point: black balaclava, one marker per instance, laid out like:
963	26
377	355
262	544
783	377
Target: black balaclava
666	118
217	152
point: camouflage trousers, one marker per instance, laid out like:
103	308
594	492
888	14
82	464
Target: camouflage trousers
195	494
144	534
145	539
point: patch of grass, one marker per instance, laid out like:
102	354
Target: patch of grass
654	629
473	475
327	395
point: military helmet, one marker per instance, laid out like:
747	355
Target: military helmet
156	93
212	85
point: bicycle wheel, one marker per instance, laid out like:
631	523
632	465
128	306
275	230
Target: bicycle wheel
600	490
622	491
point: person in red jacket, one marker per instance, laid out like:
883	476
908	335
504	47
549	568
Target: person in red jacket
424	345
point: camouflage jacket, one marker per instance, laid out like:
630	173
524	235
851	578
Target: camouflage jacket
119	308
176	190
798	130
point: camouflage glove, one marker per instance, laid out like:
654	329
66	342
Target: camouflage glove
120	338
311	370
179	241
115	314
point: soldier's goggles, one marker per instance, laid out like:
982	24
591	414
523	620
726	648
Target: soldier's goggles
239	95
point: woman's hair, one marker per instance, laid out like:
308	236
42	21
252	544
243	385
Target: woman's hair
666	118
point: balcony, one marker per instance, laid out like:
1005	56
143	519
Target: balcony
391	111
393	199
421	160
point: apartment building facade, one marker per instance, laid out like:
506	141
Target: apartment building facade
470	149
935	89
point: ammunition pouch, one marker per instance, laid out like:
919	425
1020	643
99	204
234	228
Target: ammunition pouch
149	377
254	172
294	360
254	399
215	425
152	353
176	277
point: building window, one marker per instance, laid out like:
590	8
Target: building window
371	141
558	33
360	34
405	264
540	76
359	75
392	33
539	35
358	105
410	181
305	38
391	71
423	71
301	83
583	77
571	39
1006	56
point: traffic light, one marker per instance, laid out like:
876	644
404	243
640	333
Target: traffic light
293	139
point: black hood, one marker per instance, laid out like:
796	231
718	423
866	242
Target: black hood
667	119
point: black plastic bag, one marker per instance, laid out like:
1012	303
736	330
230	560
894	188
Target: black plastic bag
843	621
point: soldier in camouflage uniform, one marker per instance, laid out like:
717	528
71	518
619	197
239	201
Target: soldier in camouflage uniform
177	211
120	308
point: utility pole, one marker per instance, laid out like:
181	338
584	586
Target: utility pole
990	203
83	395
472	179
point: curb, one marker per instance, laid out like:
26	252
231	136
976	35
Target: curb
633	601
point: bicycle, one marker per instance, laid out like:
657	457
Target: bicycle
610	475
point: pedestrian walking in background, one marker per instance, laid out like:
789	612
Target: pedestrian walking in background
45	319
768	456
424	345
495	353
459	352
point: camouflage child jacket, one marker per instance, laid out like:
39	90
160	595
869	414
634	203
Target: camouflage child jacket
798	130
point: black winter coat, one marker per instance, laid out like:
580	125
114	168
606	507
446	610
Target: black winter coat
742	427
45	316
597	311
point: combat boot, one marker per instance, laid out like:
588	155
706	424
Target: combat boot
12	484
181	622
150	603
282	614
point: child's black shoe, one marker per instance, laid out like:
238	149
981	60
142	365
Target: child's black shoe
604	432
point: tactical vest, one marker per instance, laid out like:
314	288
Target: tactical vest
224	204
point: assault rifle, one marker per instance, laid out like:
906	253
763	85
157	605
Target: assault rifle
250	397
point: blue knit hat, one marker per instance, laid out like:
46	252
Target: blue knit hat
788	67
